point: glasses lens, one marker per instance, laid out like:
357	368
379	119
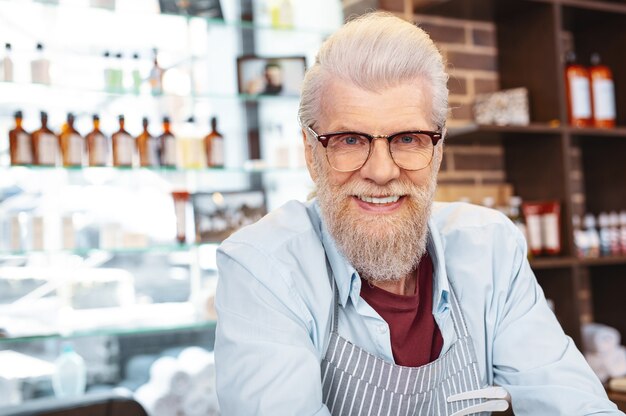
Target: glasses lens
411	151
347	151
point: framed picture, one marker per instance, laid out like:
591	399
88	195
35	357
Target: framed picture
204	8
218	214
270	76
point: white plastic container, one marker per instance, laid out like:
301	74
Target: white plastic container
70	376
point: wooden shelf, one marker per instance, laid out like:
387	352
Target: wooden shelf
552	262
590	132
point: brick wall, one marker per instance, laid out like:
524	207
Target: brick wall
469	48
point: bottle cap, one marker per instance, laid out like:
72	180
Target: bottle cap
570	57
515	201
120	117
603	220
43	114
590	221
107	54
7	46
622	218
118	55
595	59
95	117
144	121
70	117
613	219
135	55
18	114
40	46
166	119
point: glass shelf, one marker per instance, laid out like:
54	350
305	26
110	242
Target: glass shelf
127	320
158	170
158	248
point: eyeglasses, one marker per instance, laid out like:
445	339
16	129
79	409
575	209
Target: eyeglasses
348	151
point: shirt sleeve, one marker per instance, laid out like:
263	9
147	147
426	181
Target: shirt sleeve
266	362
533	358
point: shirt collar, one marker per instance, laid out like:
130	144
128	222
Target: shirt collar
349	283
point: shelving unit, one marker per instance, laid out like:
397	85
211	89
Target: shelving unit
538	156
160	271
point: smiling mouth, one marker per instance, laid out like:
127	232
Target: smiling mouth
379	200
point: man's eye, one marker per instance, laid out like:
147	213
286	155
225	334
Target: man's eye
406	139
351	140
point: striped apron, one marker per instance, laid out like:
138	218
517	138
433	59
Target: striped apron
355	382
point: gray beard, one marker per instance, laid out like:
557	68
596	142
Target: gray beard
382	248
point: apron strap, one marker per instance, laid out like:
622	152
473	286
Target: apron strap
334	317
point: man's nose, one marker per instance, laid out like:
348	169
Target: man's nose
380	167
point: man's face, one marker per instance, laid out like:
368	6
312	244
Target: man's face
383	241
273	74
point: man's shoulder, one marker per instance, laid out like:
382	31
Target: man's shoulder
459	216
293	220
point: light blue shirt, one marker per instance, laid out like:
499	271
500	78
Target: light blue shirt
274	303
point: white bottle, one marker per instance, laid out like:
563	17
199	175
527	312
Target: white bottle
7	64
592	235
605	234
40	67
614	233
70	375
622	231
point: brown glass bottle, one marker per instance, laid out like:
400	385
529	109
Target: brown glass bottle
167	145
123	146
45	144
98	145
147	147
20	143
72	144
214	146
578	93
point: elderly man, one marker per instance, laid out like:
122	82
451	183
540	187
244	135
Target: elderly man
370	299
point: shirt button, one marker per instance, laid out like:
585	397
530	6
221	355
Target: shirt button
382	329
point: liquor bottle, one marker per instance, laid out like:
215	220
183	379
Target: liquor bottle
7	64
20	143
604	233
167	145
578	93
214	146
40	67
156	76
72	144
98	145
118	74
592	235
136	74
45	144
108	71
602	93
123	146
147	147
515	214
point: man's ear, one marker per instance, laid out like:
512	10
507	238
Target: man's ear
308	155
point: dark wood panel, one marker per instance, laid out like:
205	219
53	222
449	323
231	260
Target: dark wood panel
608	285
528	56
604	173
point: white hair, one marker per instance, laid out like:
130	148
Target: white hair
373	52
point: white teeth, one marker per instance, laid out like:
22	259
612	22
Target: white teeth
374	200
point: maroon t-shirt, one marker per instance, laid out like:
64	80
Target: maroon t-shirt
415	336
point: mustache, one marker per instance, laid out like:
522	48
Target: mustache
397	187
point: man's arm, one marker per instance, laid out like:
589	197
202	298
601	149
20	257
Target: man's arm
266	362
533	358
